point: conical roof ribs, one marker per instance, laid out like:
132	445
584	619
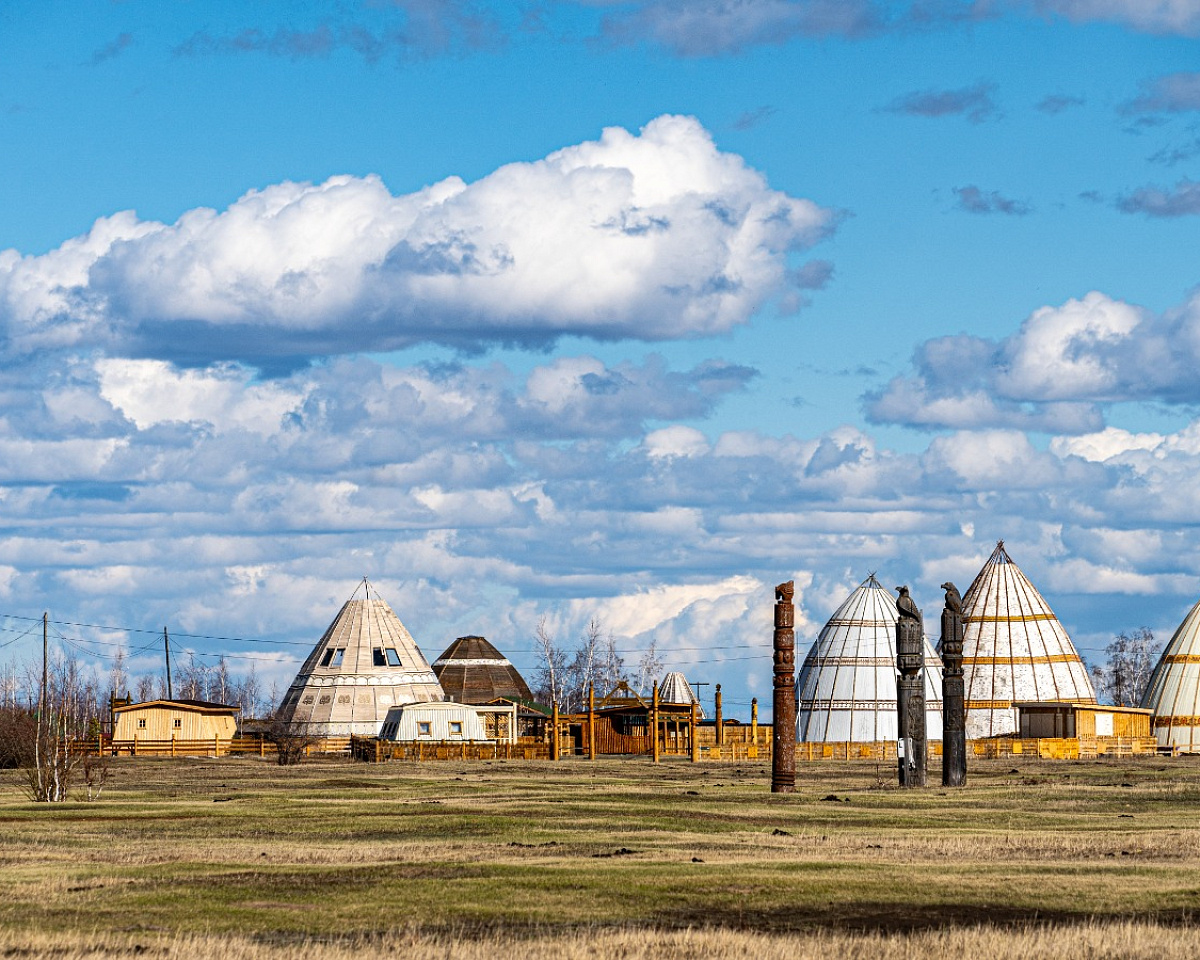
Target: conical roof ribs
1014	649
363	665
846	689
1174	689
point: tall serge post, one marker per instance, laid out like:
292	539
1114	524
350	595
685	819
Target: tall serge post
910	692
954	712
783	748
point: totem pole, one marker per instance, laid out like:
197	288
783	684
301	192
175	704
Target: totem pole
910	692
783	746
954	712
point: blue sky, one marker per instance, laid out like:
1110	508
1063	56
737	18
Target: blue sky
628	309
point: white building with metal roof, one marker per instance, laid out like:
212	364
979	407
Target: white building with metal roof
1014	649
1174	689
846	688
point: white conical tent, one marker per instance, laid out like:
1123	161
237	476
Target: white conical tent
675	689
1014	650
1174	689
365	664
846	689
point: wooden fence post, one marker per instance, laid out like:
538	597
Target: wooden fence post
555	744
693	740
654	726
754	721
591	721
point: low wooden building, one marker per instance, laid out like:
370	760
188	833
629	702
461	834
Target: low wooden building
164	720
1061	719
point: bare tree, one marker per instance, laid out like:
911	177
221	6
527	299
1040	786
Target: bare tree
552	668
649	666
610	665
1123	678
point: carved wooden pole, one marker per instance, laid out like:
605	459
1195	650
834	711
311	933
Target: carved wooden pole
954	712
910	692
783	741
654	725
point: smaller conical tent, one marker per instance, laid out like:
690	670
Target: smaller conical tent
1174	689
846	689
471	670
363	665
674	689
1014	650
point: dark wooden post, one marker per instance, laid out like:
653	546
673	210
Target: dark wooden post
591	721
720	719
783	740
954	713
910	692
654	750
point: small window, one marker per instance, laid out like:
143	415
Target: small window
327	658
455	728
393	658
423	728
379	661
141	724
337	656
178	723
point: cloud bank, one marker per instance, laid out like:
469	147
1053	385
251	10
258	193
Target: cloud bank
653	236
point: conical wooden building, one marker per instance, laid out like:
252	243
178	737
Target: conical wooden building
364	664
1174	689
471	670
846	688
1014	650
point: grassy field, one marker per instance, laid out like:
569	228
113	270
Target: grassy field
239	857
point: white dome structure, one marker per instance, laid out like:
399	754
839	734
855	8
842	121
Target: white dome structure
1174	689
364	664
1014	650
846	689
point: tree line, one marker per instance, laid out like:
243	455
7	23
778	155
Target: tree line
564	674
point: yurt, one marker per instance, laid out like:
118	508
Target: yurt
674	690
414	722
1174	689
363	665
846	689
471	670
1014	649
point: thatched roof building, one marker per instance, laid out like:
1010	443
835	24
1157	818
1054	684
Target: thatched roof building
471	670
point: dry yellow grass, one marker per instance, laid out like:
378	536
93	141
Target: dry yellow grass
235	857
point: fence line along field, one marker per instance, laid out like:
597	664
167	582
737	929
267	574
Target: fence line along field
213	857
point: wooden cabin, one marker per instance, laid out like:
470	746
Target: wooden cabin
164	720
1059	719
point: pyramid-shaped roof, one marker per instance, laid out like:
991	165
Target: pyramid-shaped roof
1014	650
364	664
471	670
674	688
1174	689
846	689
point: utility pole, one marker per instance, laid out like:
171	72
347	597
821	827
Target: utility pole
45	665
167	649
